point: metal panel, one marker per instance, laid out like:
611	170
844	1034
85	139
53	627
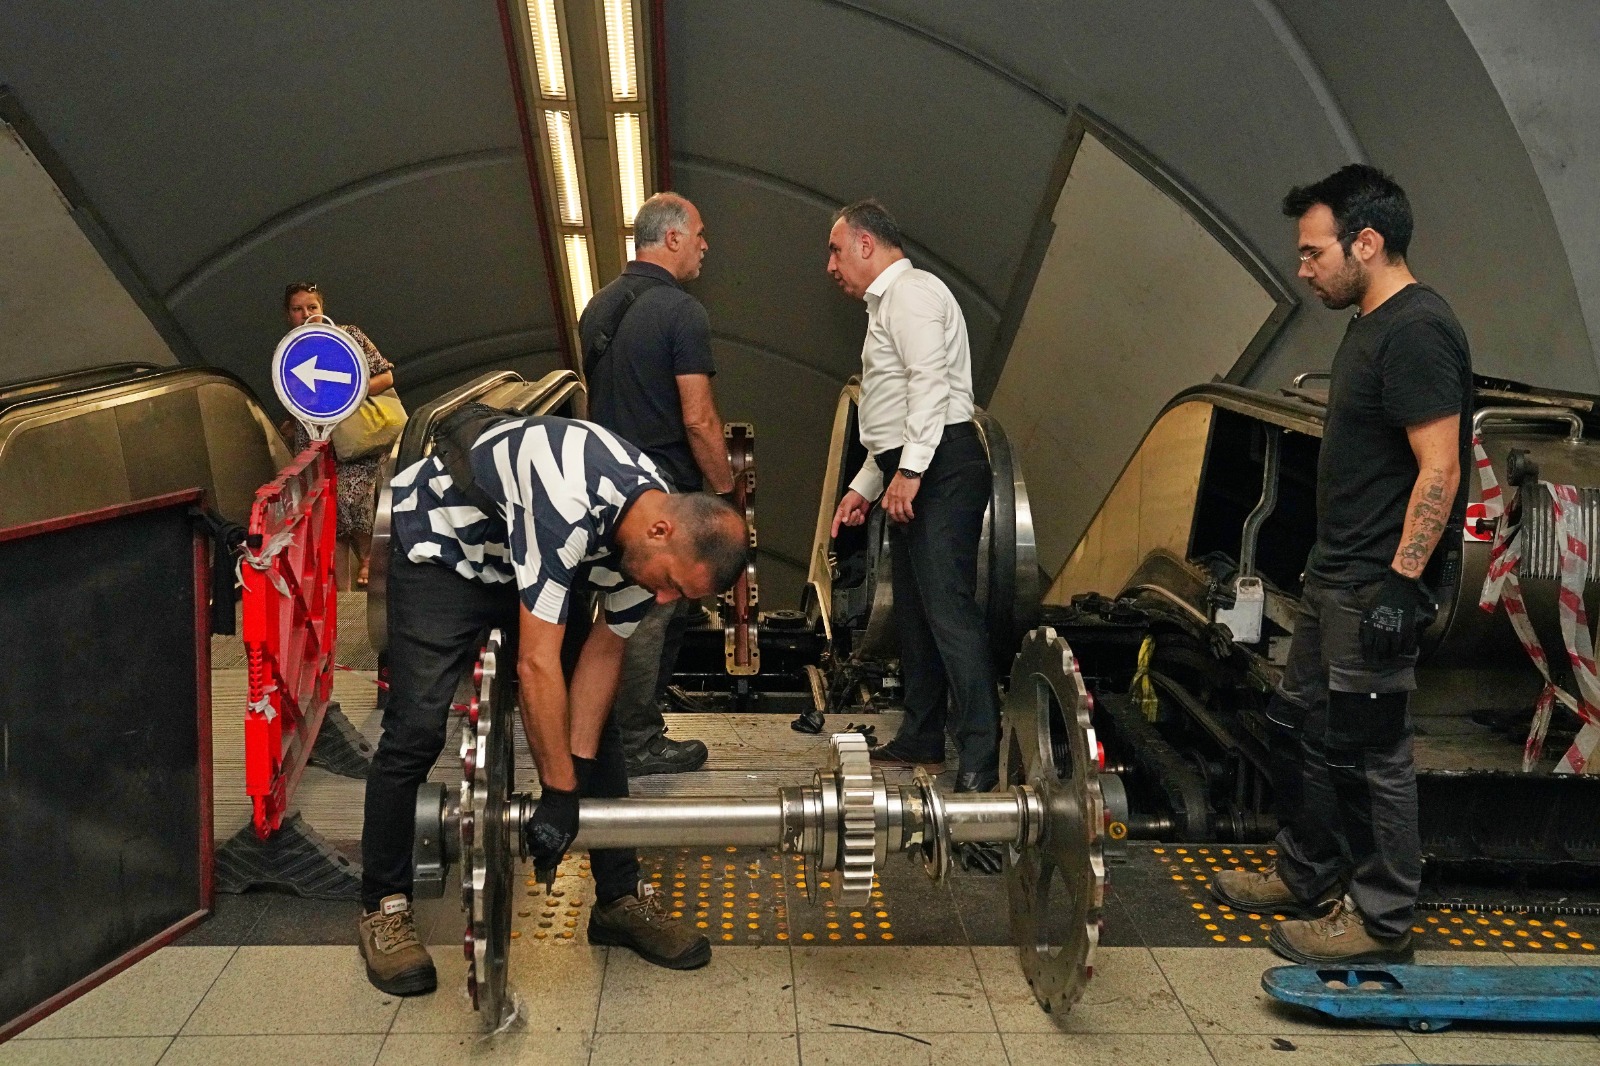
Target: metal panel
52	467
164	444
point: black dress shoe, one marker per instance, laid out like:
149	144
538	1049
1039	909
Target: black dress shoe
977	781
894	753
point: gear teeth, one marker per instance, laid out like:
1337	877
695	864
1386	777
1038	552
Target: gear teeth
475	872
1070	851
858	813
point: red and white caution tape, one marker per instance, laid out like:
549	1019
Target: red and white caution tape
1501	585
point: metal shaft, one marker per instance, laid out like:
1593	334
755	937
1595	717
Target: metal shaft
687	822
783	821
985	817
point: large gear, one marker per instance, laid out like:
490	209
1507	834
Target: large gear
1057	888
859	787
487	761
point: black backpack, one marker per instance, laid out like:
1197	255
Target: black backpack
453	439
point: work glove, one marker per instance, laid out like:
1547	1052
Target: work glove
1397	610
550	832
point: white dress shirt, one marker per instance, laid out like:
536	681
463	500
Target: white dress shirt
916	370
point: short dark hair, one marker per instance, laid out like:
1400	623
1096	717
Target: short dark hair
718	535
1360	197
869	216
294	288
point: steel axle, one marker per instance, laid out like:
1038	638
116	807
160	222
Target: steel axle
1049	817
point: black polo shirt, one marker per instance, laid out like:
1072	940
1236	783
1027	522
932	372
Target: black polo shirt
633	389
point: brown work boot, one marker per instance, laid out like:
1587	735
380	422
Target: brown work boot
638	922
397	963
1339	938
1258	890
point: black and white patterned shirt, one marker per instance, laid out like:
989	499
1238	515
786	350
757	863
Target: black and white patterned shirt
563	487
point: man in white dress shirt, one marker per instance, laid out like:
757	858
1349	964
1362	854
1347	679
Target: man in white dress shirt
916	423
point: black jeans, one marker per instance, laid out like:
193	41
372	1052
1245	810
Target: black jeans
436	622
944	641
647	671
1356	822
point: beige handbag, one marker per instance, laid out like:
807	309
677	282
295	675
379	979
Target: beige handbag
371	428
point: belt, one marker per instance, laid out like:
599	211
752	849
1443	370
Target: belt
888	462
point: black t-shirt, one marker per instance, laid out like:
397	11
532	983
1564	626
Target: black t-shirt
633	389
1404	364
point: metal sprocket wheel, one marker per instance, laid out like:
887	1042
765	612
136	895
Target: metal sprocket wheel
487	769
859	789
1057	887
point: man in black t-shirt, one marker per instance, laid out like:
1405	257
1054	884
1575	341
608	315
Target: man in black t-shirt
647	358
1390	499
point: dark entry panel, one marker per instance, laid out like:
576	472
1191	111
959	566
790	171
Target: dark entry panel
105	747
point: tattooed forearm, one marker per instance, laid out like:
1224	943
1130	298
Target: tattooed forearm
1426	517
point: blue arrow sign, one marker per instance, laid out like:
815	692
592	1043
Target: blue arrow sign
320	374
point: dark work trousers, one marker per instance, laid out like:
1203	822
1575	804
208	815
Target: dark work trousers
1356	822
646	671
436	622
944	642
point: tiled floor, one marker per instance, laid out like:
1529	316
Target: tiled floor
275	980
240	1006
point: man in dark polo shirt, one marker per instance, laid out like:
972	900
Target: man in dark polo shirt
647	357
1390	500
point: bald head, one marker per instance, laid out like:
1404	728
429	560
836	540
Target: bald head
669	233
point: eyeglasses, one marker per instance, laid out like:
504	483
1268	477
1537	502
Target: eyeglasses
1310	257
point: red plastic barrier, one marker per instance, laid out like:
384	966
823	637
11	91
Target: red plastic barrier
290	627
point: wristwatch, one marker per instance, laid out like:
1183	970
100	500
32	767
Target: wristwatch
910	475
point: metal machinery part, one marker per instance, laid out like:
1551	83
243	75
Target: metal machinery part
857	594
1008	560
741	604
109	435
1057	888
1048	813
488	760
558	392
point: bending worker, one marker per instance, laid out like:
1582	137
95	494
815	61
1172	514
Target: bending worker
916	424
647	359
508	523
1390	501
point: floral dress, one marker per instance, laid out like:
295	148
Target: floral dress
358	476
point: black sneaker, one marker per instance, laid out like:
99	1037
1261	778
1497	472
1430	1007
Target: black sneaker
665	756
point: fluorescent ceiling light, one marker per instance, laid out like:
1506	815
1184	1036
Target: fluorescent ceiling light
624	63
632	250
630	166
564	161
547	48
577	247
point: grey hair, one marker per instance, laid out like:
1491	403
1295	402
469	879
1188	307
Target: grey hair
870	216
658	215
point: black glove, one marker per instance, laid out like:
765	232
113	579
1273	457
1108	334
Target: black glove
550	832
1396	611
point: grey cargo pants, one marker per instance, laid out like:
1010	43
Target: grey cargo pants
1356	824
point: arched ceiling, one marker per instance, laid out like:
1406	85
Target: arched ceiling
232	148
375	148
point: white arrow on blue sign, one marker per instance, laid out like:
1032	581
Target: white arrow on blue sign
320	374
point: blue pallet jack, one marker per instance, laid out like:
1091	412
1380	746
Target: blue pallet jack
1429	998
